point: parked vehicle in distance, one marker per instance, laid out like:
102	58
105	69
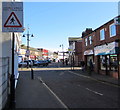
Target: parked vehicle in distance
49	61
43	63
36	63
30	62
22	64
25	63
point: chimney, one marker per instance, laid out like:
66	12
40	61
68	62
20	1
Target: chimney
86	32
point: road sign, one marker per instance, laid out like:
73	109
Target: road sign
12	21
12	17
27	53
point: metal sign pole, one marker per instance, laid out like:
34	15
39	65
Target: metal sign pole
12	21
12	79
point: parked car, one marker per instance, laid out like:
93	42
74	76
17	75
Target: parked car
36	63
22	64
29	62
49	61
43	63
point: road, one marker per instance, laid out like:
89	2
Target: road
76	91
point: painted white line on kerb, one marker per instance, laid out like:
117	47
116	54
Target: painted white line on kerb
94	92
110	84
80	75
53	93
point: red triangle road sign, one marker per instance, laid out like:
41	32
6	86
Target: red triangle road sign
12	21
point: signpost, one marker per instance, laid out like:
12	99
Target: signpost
12	21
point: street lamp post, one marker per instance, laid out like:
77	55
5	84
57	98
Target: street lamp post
62	52
28	39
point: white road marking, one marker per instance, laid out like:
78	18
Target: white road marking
95	79
80	75
53	93
94	92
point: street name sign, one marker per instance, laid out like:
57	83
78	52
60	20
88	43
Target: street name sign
12	17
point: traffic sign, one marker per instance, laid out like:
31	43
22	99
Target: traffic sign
27	53
12	21
12	17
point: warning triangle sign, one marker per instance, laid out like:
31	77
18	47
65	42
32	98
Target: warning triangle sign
12	21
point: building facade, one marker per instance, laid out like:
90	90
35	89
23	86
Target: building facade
102	46
75	50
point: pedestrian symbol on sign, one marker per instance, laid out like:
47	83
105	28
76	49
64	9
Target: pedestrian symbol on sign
12	21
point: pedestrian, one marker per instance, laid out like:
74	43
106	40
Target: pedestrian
27	64
82	65
66	61
90	67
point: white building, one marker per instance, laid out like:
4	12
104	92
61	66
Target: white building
6	60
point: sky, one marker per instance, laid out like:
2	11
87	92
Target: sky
52	23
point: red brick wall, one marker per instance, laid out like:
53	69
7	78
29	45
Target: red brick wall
108	39
98	42
79	50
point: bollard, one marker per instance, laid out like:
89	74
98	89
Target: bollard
32	74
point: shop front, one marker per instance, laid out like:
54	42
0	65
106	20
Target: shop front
107	59
89	54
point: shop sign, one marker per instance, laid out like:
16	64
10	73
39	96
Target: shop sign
75	39
88	52
105	49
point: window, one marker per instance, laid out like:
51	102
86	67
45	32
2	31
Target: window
102	63
113	63
102	34
86	42
90	39
112	30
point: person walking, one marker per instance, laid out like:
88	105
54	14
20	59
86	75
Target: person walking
66	61
82	65
90	67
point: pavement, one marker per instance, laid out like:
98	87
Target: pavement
33	93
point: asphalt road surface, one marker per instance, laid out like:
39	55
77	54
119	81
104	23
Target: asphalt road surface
77	91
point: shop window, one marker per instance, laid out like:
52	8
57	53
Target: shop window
109	61
113	63
102	63
102	34
112	30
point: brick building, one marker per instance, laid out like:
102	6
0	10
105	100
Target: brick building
75	50
101	45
